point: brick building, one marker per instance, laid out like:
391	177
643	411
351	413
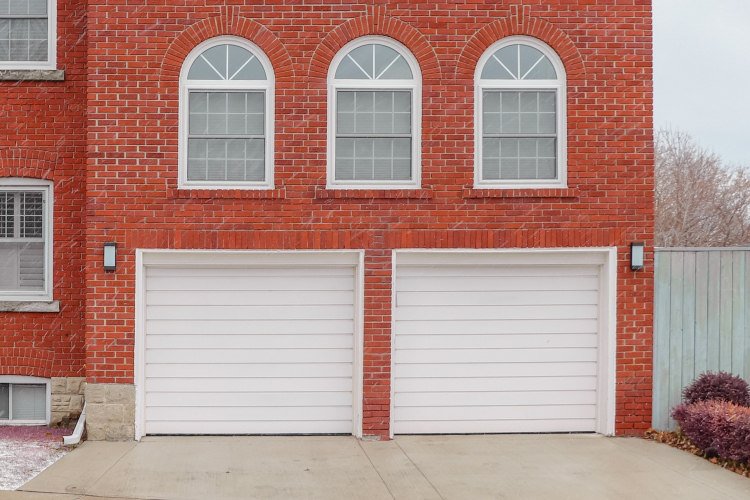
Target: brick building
367	218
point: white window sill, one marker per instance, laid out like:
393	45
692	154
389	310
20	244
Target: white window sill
34	306
48	75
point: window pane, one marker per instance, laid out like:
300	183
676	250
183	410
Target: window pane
226	113
518	158
7	207
226	159
373	62
373	159
32	208
518	62
243	65
29	401
4	402
373	112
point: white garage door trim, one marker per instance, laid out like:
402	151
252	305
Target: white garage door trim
605	257
198	258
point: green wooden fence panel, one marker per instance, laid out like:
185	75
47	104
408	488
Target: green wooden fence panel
701	320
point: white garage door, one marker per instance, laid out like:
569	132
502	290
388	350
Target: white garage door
497	343
248	343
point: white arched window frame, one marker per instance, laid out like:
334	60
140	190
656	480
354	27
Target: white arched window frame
375	80
227	81
520	80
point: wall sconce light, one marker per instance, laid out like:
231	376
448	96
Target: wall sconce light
636	255
110	256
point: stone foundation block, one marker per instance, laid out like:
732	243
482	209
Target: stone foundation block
67	399
110	412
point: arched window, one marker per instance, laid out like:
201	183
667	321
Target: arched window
374	96
226	117
520	116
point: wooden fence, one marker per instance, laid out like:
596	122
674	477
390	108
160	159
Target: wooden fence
701	320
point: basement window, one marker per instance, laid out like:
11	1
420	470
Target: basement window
25	400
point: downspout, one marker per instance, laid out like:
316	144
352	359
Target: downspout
75	438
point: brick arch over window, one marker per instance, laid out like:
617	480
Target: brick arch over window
376	23
228	23
26	361
520	22
29	163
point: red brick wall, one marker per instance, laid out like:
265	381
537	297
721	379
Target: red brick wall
42	136
135	54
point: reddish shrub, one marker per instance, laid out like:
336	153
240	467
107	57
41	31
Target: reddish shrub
719	428
721	386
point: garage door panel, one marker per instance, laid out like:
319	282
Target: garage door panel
461	370
497	327
248	356
484	356
464	426
243	327
249	341
468	341
248	399
501	271
288	312
280	384
552	412
498	312
253	271
508	298
247	413
210	283
489	384
492	283
496	398
257	297
258	427
260	370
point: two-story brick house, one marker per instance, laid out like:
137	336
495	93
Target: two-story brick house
367	218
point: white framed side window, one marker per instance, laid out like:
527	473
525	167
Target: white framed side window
25	239
24	400
520	116
28	34
374	116
226	120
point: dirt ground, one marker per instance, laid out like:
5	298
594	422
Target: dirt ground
25	451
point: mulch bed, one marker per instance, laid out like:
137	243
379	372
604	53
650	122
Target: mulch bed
677	440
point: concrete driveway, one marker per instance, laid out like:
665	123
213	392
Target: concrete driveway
411	467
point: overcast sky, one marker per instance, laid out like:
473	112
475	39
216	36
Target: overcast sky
702	72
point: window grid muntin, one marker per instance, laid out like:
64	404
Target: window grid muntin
557	85
12	23
412	84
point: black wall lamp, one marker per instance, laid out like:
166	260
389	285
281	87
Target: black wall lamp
636	255
110	256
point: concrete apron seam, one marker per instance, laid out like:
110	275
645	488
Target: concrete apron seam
94	483
385	483
87	495
420	470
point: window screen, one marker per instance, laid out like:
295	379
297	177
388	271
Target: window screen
24	30
22	245
4	402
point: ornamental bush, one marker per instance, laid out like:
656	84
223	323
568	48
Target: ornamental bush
720	386
718	428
